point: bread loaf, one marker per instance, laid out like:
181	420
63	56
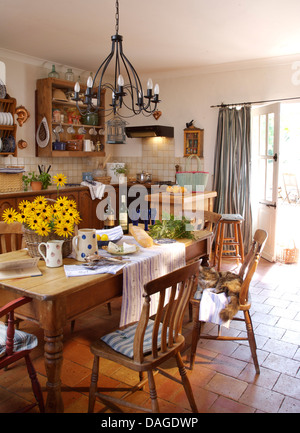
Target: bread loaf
141	236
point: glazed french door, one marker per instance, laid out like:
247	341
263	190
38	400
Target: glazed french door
265	163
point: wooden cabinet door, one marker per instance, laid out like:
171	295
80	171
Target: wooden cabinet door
7	203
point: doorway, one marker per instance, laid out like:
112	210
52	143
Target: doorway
275	178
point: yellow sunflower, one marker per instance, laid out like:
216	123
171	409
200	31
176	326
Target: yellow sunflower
73	215
60	179
40	201
42	228
33	222
61	203
63	228
23	205
9	215
21	218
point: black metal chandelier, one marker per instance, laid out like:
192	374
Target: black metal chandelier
125	93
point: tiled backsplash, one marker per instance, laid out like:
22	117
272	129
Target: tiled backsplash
158	158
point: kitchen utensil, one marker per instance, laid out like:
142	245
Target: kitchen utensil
59	129
143	177
53	252
58	145
85	243
81	130
87	145
71	130
92	131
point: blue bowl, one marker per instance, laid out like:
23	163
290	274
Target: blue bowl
105	243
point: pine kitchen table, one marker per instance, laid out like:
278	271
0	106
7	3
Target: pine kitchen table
57	299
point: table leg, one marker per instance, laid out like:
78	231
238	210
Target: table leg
53	362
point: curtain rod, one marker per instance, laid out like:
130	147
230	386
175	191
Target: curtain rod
255	102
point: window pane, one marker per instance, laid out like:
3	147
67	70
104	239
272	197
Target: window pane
263	128
271	134
269	183
262	179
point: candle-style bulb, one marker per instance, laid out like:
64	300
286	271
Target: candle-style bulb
89	82
156	89
77	87
149	84
120	80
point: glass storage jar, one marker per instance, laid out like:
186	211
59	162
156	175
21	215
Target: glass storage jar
69	76
53	73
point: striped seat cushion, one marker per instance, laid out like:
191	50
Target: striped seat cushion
22	340
122	340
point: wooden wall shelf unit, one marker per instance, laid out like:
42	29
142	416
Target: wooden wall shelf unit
193	141
8	105
45	103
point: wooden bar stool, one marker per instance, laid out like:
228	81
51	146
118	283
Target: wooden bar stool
235	241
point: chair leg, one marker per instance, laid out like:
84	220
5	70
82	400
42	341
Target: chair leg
186	383
220	251
153	395
241	245
251	339
93	386
195	334
36	387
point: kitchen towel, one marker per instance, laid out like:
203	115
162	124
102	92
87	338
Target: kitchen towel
144	266
97	189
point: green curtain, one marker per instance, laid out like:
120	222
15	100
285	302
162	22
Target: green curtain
232	166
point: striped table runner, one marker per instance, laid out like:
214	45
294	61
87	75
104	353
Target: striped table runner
148	264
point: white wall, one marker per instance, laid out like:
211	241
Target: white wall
185	96
191	95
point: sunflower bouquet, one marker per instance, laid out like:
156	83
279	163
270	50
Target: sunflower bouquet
45	219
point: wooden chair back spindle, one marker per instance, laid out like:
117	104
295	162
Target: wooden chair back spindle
170	316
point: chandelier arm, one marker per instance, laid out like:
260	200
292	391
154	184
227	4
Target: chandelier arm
103	66
138	86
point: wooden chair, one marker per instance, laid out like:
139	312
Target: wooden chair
11	237
15	345
247	271
147	344
291	189
211	221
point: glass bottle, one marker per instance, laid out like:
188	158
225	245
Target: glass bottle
109	221
69	76
53	73
123	215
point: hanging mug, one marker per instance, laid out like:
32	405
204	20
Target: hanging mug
53	252
85	243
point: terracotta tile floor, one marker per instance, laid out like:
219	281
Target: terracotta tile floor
223	378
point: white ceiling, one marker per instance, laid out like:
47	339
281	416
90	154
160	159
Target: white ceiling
159	35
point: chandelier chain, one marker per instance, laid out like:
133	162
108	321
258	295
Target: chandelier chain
117	17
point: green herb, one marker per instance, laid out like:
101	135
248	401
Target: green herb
172	229
43	177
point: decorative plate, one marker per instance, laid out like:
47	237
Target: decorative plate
43	135
120	253
2	90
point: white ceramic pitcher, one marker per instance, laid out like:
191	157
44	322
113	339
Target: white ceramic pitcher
53	257
85	243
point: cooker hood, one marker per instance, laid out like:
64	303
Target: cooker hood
149	131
